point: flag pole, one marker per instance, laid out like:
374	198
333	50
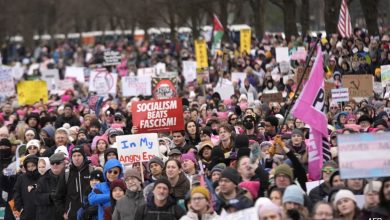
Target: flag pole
308	58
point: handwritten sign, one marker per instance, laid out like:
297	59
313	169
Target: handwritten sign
359	85
189	71
224	90
158	115
238	77
111	58
272	97
136	85
7	86
31	92
245	40
201	54
385	75
137	147
340	95
150	71
103	82
52	78
76	73
355	162
282	54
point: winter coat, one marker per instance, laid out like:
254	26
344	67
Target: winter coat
149	211
240	195
127	206
319	193
181	188
251	89
72	121
69	193
194	216
6	185
24	195
379	212
100	195
46	187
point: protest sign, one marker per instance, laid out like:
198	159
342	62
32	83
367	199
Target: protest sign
238	77
7	85
136	85
31	92
312	184
76	73
244	214
189	71
201	54
150	71
164	88
358	85
103	82
282	54
111	58
387	110
158	115
385	75
340	95
64	85
355	162
378	89
137	147
224	90
284	67
52	78
160	68
328	88
272	97
245	40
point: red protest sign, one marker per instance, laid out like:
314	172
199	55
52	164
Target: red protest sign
158	115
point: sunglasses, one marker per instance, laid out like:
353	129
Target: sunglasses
115	172
328	170
32	147
56	163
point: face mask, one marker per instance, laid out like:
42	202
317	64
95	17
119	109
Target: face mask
248	124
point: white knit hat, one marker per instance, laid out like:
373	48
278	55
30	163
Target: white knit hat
33	142
373	186
344	193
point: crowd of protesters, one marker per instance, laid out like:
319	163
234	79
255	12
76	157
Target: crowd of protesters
59	159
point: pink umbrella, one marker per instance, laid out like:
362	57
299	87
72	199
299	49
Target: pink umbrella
299	55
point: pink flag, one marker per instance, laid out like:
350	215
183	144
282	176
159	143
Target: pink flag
309	108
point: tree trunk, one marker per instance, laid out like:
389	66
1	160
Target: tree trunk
370	11
305	17
223	17
290	26
259	8
331	13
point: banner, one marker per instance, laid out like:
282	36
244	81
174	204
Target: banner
164	88
189	71
111	58
52	78
358	85
201	54
137	147
158	115
385	75
76	73
364	155
340	95
103	82
31	92
136	85
245	40
7	85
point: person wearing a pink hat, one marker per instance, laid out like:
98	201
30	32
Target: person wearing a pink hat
98	147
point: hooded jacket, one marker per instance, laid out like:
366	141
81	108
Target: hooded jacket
24	195
127	206
149	211
100	195
181	188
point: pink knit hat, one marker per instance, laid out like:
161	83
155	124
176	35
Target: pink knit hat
251	186
189	156
96	140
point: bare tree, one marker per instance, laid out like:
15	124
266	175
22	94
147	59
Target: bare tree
259	8
289	16
370	11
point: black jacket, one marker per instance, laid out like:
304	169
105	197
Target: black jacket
319	193
24	195
69	194
72	121
150	211
6	184
44	197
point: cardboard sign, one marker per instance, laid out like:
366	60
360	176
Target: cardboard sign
31	92
136	85
282	54
146	72
158	115
364	155
164	88
340	95
189	71
359	85
76	73
201	54
385	75
7	85
245	40
272	97
102	82
137	147
52	78
112	58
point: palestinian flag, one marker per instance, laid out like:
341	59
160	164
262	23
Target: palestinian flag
218	33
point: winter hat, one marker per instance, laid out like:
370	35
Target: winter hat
231	174
156	160
50	130
33	142
96	140
115	131
380	122
297	131
58	157
342	194
202	190
62	149
110	150
30	158
5	142
32	115
97	175
251	186
373	186
330	163
351	116
293	194
241	141
270	207
77	149
30	131
265	144
189	156
205	144
133	173
162	181
47	162
284	169
364	118
218	168
118	183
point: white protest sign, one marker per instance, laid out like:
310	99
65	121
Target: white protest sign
189	71
282	54
356	162
137	147
245	214
225	91
17	72
102	82
75	72
160	68
7	85
64	85
52	77
238	77
387	110
378	89
112	58
340	95
385	75
151	71
312	184
136	85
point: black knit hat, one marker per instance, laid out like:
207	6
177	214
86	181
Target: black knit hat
365	118
163	181
97	175
32	115
231	174
30	158
5	142
77	149
110	150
